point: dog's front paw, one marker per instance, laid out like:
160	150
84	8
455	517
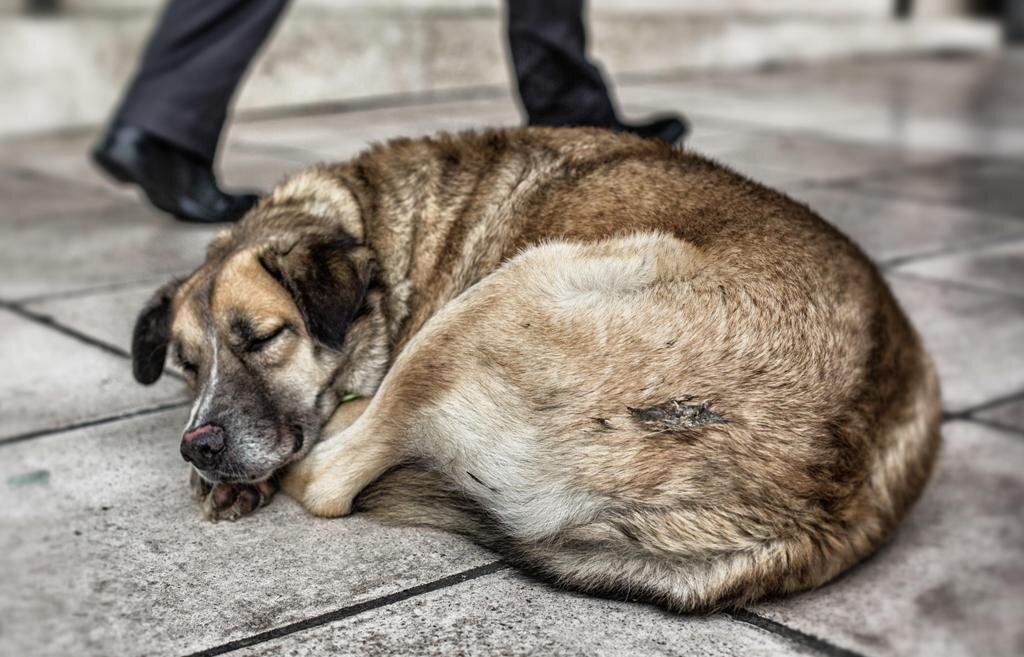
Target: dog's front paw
231	501
320	496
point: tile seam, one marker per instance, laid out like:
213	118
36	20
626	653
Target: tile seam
353	610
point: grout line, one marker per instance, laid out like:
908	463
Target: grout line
951	284
738	78
289	155
949	250
75	334
793	635
49	322
38	175
993	424
728	80
111	198
116	195
353	610
351	105
968	413
828	186
854	184
78	293
381	102
41	433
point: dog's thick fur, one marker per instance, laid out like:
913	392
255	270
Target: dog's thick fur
621	365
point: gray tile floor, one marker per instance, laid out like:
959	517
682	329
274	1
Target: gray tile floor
102	551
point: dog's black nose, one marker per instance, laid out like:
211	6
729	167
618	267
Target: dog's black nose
202	445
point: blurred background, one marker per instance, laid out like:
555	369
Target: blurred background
65	62
900	121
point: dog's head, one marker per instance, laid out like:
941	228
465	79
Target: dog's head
267	336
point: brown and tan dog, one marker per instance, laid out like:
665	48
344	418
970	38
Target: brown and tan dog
623	366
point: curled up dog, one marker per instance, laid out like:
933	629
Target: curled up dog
620	365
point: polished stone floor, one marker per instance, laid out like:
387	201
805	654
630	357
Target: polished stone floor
102	551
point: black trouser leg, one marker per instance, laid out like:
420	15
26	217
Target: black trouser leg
192	65
557	84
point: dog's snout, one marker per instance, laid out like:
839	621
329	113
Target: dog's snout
202	445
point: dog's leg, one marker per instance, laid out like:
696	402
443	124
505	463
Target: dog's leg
345	416
355	451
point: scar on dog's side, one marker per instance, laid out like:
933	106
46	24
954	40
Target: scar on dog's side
676	415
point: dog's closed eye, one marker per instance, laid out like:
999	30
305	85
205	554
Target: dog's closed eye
251	336
256	343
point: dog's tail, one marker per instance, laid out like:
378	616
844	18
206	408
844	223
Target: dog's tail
414	495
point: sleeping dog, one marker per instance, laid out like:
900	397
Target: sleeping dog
621	365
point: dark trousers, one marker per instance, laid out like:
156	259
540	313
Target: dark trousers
557	84
201	49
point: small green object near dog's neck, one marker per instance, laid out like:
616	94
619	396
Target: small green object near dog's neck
349	397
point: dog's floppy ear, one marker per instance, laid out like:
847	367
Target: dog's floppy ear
151	335
328	279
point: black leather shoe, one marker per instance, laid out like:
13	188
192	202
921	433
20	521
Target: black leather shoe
174	180
670	129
